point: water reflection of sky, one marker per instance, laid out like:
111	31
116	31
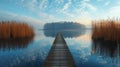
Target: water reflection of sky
35	53
31	56
81	51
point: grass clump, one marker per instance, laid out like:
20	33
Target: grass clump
106	29
15	30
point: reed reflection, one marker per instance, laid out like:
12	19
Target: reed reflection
107	49
8	44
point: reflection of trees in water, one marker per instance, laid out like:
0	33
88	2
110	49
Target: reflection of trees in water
66	33
68	29
107	49
63	26
14	43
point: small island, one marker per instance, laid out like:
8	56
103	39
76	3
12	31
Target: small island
68	29
64	25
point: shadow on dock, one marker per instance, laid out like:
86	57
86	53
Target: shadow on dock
59	55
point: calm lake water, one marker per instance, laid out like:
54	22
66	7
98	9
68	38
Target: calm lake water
32	53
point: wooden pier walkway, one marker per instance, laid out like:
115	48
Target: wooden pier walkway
59	55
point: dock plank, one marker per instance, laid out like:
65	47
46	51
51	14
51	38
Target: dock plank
59	54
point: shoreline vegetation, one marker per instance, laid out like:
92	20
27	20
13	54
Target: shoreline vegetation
15	30
106	29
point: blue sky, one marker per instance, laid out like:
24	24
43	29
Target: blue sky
43	11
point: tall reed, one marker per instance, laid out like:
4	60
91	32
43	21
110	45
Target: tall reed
14	30
106	29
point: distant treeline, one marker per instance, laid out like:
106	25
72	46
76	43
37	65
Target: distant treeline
13	29
106	29
63	26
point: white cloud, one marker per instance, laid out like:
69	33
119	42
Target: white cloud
29	4
91	7
59	1
46	17
86	5
66	6
32	4
79	13
9	16
43	4
37	7
114	11
65	11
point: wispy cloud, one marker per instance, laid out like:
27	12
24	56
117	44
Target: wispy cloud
59	1
86	5
9	16
91	7
47	17
114	11
29	4
38	7
54	10
65	9
66	6
43	4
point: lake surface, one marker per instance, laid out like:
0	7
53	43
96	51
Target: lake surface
32	52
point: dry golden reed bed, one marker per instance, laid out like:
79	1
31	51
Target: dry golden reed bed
15	30
106	29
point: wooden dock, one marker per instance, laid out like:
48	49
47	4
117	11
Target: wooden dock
59	55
